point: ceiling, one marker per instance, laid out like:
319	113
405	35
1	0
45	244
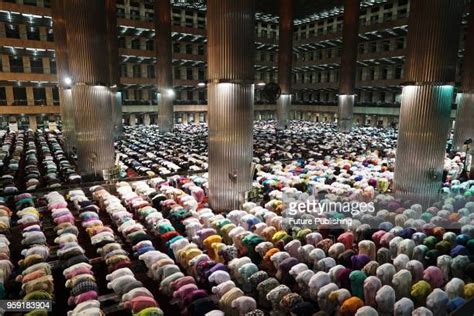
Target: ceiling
303	8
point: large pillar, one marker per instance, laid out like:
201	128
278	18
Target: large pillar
432	46
33	123
133	120
163	65
64	77
88	60
350	36
231	50
285	58
464	126
114	67
196	117
146	119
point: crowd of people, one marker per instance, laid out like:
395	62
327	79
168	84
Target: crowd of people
321	233
400	259
29	161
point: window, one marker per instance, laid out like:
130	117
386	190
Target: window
177	73
3	96
55	96
138	94
134	13
373	47
202	95
402	13
189	22
189	73
19	96
150	69
176	48
382	97
136	71
136	43
121	12
201	23
189	95
150	45
50	36
398	72
149	15
12	31
400	42
201	49
16	64
121	42
39	94
374	19
387	16
189	48
33	33
123	70
201	74
176	19
372	73
36	65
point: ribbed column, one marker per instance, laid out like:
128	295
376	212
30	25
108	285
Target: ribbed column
422	140
350	37
68	122
345	112
432	46
114	66
62	69
163	65
464	125
285	58
230	29
94	132
283	111
88	59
